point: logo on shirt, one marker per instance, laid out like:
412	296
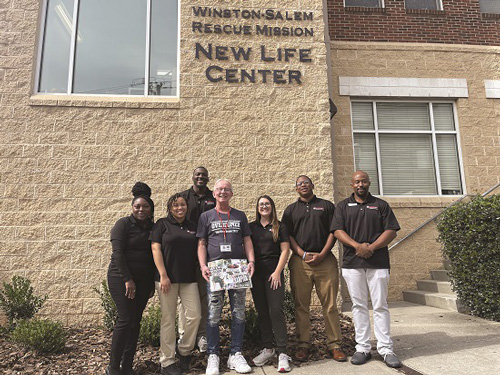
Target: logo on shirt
372	207
191	231
319	208
352	204
209	202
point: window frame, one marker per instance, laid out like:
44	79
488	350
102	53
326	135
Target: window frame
382	5
439	6
40	45
433	132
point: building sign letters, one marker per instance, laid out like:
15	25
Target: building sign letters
213	52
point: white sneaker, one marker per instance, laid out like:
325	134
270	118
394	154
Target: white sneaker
212	365
283	364
202	344
264	356
238	363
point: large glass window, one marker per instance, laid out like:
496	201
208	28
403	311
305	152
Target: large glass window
364	3
407	148
112	47
490	6
423	4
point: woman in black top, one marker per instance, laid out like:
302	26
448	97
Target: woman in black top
272	249
174	246
130	278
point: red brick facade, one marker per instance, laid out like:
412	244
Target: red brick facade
460	22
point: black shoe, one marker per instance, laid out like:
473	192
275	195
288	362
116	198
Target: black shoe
392	360
112	371
184	360
171	370
128	371
360	358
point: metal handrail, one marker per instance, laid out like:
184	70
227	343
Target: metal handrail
440	212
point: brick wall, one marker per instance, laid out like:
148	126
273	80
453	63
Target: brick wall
460	22
67	163
478	126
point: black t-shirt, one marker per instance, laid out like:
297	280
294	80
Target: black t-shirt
131	257
211	228
197	204
364	222
309	223
267	252
179	248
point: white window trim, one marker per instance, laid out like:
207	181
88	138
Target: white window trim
382	5
440	6
433	135
69	92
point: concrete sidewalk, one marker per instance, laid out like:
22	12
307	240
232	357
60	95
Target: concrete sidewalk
429	341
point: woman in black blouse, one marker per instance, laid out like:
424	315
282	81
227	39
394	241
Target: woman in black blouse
174	246
130	278
272	249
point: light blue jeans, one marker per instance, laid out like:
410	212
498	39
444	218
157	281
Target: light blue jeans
237	299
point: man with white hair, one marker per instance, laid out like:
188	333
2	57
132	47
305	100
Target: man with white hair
224	233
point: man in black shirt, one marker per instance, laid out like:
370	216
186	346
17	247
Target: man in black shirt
313	264
366	225
199	199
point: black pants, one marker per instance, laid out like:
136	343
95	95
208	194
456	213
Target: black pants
126	331
271	319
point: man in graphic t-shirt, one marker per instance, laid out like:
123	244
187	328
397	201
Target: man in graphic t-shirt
224	233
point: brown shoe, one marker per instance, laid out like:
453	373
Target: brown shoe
302	354
338	355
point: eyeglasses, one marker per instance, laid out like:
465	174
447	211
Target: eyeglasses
305	183
224	189
264	204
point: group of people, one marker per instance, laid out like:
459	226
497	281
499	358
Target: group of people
175	253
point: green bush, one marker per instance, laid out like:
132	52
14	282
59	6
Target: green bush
107	303
44	336
150	326
18	301
470	234
288	305
252	331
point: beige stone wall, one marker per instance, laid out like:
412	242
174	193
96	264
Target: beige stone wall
68	163
478	124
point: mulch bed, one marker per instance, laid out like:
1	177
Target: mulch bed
87	351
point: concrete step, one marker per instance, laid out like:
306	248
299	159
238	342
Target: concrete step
434	286
440	275
444	301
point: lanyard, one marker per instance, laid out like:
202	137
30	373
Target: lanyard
222	223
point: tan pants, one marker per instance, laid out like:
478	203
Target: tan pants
202	289
325	278
188	293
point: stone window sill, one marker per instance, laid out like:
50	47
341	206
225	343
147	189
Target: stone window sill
421	202
103	102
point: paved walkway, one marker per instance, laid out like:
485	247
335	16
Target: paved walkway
429	341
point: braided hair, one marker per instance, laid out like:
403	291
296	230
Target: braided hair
142	190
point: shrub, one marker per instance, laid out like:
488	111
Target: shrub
44	336
288	305
107	303
150	326
470	233
18	301
252	332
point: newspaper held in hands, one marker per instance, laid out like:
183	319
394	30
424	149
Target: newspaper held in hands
228	274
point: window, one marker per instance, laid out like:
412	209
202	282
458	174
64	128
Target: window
112	47
490	6
423	4
364	3
407	148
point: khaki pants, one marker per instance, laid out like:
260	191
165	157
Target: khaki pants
325	278
188	293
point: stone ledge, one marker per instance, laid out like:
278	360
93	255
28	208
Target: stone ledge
103	102
364	10
490	15
433	12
